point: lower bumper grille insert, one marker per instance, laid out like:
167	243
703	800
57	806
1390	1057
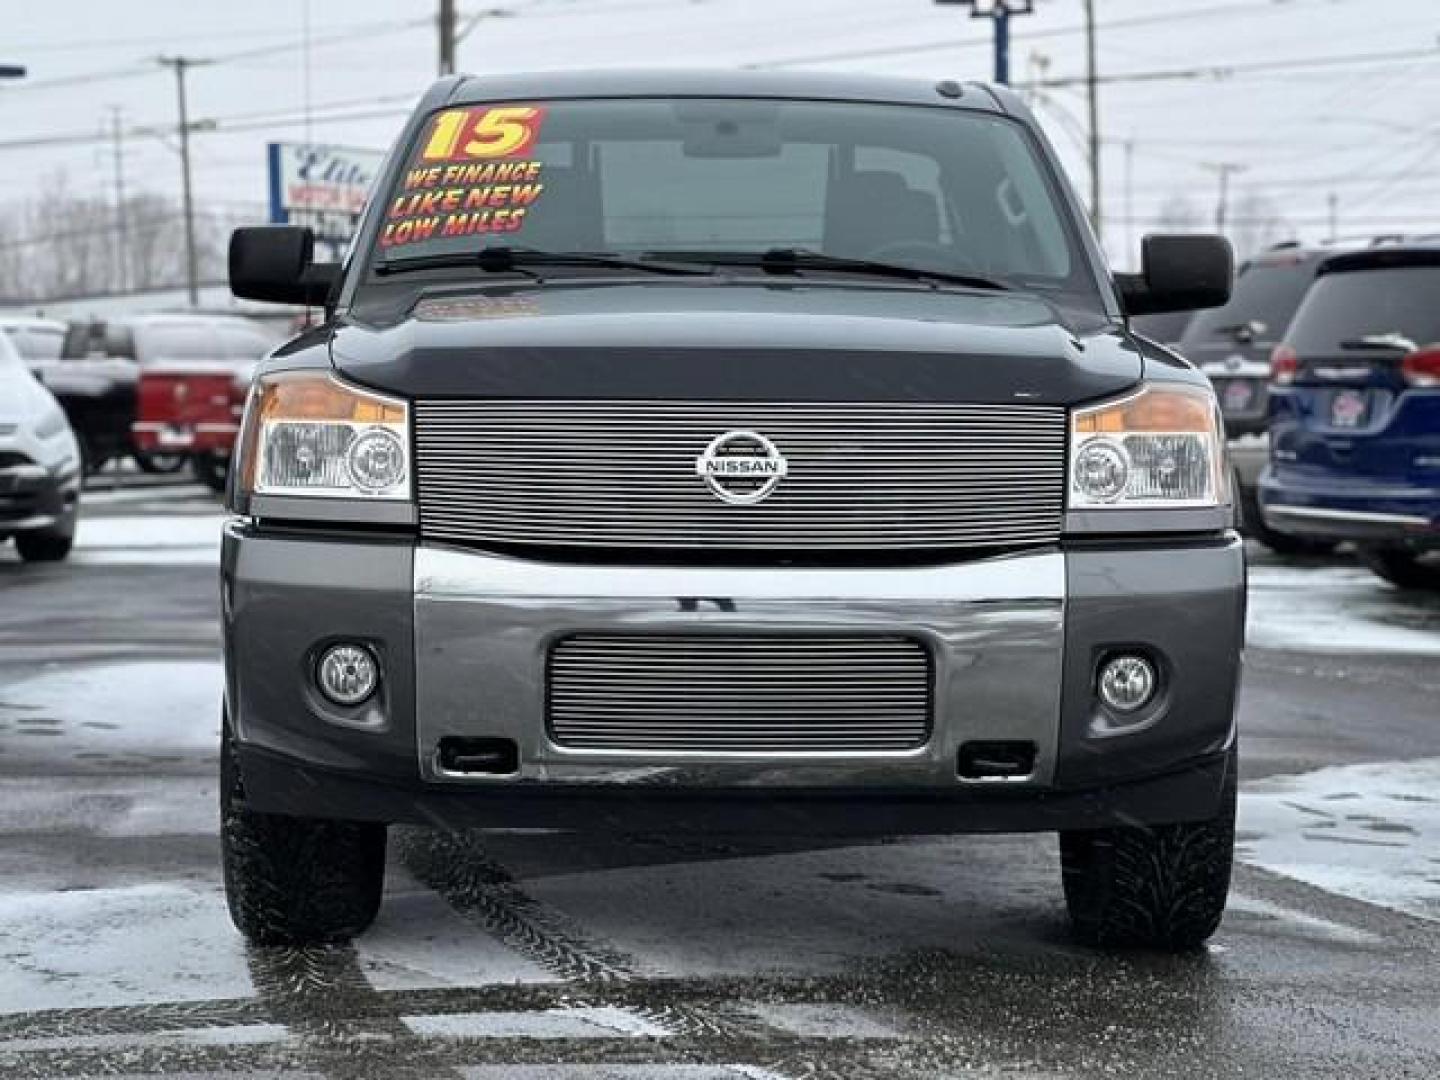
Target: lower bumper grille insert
739	693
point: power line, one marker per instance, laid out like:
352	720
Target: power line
136	70
931	45
1230	71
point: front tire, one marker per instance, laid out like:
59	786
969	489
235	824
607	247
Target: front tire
1403	569
211	470
296	881
1158	887
45	546
158	464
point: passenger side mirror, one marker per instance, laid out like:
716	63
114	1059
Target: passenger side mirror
275	263
1178	273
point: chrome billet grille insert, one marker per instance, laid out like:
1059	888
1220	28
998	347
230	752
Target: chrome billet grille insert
623	474
739	693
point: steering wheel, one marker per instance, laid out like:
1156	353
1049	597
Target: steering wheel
922	254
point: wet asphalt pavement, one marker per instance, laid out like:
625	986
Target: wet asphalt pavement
552	956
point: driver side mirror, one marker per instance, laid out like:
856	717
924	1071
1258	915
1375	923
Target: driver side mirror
276	263
1178	273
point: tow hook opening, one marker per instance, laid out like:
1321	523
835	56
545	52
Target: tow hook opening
486	757
996	760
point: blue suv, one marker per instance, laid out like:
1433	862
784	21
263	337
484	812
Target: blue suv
1355	412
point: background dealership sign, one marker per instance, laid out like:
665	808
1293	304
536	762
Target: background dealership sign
324	187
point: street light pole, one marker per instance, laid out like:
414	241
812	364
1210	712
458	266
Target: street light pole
998	12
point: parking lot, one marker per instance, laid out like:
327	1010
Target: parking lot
537	955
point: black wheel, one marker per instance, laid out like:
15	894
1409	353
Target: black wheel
211	470
296	881
1406	569
158	463
44	546
1252	524
1162	887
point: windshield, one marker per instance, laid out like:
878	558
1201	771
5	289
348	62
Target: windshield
1349	306
929	188
1265	292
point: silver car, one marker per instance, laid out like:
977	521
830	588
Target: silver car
39	464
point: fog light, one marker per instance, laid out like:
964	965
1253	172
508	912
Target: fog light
348	674
1127	683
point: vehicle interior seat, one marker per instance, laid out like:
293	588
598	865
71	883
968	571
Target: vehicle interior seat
868	210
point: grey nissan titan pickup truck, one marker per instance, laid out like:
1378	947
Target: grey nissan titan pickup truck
729	453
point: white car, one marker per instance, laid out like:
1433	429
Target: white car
39	464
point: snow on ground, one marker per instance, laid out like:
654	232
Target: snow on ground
418	942
161	538
1370	832
135	945
1338	608
567	1023
108	714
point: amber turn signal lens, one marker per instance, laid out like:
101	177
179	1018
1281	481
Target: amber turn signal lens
1177	409
301	395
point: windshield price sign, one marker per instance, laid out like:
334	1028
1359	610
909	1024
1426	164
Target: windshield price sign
473	174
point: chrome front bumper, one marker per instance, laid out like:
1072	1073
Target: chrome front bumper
464	638
485	625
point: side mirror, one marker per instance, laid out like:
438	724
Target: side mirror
1178	273
274	263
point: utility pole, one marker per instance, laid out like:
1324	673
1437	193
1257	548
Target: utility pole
1092	89
447	37
1332	203
180	64
122	245
1224	169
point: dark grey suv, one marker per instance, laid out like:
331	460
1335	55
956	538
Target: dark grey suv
730	453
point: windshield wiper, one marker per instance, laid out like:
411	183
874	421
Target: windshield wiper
500	260
794	260
1392	340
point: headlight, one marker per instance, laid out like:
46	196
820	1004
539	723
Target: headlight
307	433
1158	448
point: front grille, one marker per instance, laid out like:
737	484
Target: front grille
739	693
622	474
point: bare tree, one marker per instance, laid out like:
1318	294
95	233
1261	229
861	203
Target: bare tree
1180	214
1257	223
64	244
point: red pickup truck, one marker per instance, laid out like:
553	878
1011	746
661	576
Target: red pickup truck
194	375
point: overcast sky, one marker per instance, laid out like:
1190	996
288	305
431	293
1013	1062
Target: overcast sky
1362	128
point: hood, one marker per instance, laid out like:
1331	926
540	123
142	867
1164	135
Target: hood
22	399
715	341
